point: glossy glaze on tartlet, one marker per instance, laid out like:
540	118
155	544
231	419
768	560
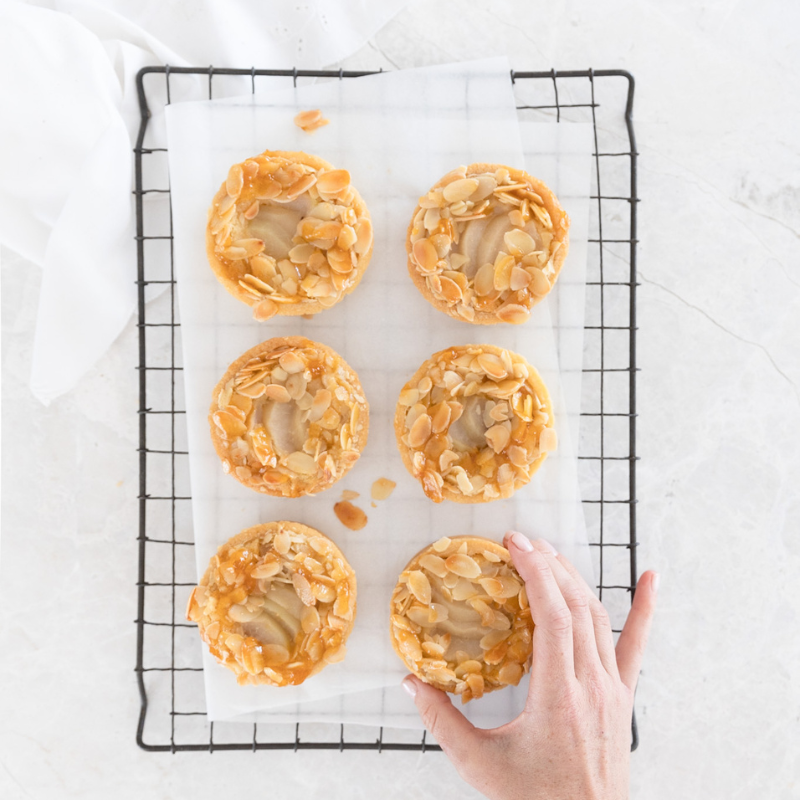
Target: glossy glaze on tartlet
288	234
460	618
487	243
289	417
474	423
276	604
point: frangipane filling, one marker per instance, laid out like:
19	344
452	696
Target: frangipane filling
485	243
278	606
289	419
460	617
476	421
287	233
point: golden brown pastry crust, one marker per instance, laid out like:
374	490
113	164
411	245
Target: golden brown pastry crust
333	241
444	284
245	590
506	459
460	618
337	416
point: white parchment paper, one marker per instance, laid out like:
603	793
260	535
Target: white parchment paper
396	133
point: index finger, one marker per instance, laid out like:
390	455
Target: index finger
552	636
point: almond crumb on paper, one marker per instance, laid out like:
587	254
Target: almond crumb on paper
350	516
309	121
349	494
382	488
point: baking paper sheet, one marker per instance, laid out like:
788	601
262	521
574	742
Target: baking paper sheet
396	133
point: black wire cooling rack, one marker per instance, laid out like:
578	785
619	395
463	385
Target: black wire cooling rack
168	668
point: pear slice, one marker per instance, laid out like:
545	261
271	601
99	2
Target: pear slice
286	426
289	623
276	224
468	431
468	245
267	630
286	598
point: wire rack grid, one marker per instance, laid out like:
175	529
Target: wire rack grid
168	670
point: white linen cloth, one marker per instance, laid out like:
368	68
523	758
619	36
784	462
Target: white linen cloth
70	116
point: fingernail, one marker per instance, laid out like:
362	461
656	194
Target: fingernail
547	546
409	685
521	542
654	583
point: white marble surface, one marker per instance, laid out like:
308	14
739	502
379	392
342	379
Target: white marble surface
719	403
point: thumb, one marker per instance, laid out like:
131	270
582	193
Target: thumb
456	735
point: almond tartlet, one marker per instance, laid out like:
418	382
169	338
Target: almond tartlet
487	243
460	619
288	234
474	423
276	604
289	417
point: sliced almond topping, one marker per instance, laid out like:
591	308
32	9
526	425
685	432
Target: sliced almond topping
235	181
382	488
515	314
333	181
420	586
459	190
425	255
291	362
277	392
498	437
301	463
420	431
434	564
463	565
350	516
548	440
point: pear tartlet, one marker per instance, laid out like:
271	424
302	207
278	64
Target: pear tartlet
460	618
289	417
276	604
288	234
487	243
474	423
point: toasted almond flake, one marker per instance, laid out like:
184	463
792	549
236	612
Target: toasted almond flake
539	285
306	119
364	236
548	440
350	516
519	242
440	545
234	253
463	565
520	278
291	362
498	437
513	313
492	366
420	431
425	254
303	589
419	586
450	290
301	463
382	488
459	189
333	181
277	392
235	181
502	271
434	564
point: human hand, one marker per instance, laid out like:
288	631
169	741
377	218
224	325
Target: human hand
572	741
